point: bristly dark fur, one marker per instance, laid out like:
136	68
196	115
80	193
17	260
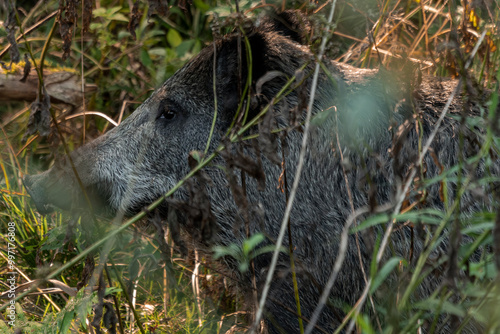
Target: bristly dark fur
375	121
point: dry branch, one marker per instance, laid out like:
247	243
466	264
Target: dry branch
62	86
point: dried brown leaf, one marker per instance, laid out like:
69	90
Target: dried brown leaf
159	7
267	140
26	69
173	225
251	166
88	271
135	16
87	14
67	19
39	117
10	27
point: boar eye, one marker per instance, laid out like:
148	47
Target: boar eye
168	110
168	114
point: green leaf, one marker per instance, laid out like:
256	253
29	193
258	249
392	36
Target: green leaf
363	322
321	117
99	12
66	321
184	47
243	266
145	59
113	10
20	312
252	242
385	271
123	34
119	17
83	308
54	239
428	216
196	155
203	7
371	221
483	269
95	26
197	47
157	52
478	228
231	250
174	38
447	307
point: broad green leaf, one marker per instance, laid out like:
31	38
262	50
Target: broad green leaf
363	322
119	17
66	321
174	38
184	47
157	52
145	59
99	12
478	228
196	155
429	216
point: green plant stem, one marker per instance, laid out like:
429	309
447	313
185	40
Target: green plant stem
116	301
127	297
249	75
290	249
44	53
215	99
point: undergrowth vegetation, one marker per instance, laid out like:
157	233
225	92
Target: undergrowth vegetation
96	276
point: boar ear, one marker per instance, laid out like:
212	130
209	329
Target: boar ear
228	71
292	24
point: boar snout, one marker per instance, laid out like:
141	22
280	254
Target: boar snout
46	193
54	189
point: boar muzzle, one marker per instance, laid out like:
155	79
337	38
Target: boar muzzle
58	189
47	194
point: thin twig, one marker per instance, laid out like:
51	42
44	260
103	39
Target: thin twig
30	29
97	113
214	69
82	75
293	193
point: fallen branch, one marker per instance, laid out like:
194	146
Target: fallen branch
63	86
